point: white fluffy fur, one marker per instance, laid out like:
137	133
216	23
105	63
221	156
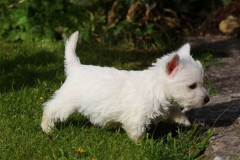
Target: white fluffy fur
130	99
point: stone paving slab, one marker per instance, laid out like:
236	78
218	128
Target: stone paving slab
223	111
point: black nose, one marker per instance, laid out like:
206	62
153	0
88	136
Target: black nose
206	99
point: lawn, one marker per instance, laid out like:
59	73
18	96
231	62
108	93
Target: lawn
29	75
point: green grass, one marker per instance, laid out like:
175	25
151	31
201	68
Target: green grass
29	75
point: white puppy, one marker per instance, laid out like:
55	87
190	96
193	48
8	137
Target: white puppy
130	99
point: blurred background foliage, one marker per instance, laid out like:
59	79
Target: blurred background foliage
104	21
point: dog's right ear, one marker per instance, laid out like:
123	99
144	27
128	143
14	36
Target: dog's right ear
172	65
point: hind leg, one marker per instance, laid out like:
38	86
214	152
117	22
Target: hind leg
56	109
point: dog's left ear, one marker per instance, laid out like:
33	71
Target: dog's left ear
184	51
172	65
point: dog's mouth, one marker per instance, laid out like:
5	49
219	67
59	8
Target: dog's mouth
200	104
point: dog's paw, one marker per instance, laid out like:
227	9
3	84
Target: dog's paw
45	127
47	124
135	133
185	110
186	122
183	120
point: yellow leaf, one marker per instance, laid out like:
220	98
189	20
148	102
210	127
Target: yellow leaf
80	150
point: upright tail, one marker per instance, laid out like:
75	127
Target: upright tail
71	60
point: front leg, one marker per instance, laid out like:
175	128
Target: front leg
135	131
177	116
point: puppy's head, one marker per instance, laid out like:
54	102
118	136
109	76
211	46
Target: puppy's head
185	80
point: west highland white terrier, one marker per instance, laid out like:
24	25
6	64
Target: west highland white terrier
130	99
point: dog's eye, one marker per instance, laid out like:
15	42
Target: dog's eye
193	86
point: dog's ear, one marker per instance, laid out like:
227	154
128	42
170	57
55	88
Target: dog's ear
184	51
173	64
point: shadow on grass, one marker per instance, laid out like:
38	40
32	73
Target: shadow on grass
27	69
